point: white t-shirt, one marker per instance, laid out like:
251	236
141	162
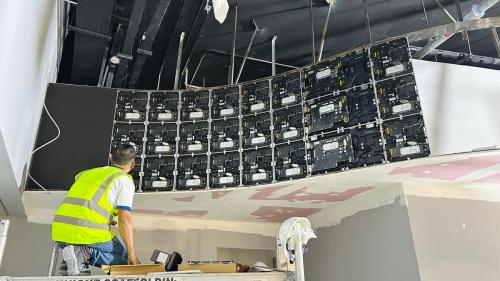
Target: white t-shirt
121	193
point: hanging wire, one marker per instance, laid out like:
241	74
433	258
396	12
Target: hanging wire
44	145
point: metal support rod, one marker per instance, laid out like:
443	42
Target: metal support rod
367	18
179	59
197	67
103	67
159	78
273	55
465	33
233	52
89	33
312	30
71	2
496	40
445	11
425	13
251	58
246	54
53	260
4	231
459	10
325	28
476	12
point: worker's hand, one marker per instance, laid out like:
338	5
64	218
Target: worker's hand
133	259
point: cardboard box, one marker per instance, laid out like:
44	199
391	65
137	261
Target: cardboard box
215	267
133	269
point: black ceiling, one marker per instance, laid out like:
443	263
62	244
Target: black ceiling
145	35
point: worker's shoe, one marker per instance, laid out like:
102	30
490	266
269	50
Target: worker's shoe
83	254
71	261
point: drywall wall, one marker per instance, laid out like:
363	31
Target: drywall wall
30	244
28	61
10	196
460	106
28	249
371	245
198	244
456	239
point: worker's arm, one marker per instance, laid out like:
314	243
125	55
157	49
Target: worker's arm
126	228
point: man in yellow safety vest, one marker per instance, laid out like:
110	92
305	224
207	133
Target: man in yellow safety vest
81	224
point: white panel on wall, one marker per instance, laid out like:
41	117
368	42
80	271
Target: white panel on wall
460	106
28	62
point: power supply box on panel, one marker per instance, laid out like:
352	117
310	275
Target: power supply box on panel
351	148
225	134
391	58
351	108
193	137
330	153
163	107
257	166
406	138
195	105
255	97
257	130
226	102
286	90
158	173
131	106
125	133
288	124
290	161
398	96
161	139
192	172
337	74
225	169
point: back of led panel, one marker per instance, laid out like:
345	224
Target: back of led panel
353	110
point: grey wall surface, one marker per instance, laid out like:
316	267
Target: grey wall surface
29	246
456	239
198	244
371	245
28	249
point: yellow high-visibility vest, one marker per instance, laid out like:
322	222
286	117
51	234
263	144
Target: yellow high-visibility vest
84	215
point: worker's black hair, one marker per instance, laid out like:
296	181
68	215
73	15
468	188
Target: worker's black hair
122	154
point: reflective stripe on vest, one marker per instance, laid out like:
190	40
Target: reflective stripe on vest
79	222
90	204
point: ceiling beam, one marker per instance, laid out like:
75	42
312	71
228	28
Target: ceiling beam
128	42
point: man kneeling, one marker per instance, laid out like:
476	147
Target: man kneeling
81	224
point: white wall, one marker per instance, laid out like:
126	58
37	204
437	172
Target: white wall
460	106
370	245
456	239
198	244
28	61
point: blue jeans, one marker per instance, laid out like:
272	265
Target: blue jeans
111	252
